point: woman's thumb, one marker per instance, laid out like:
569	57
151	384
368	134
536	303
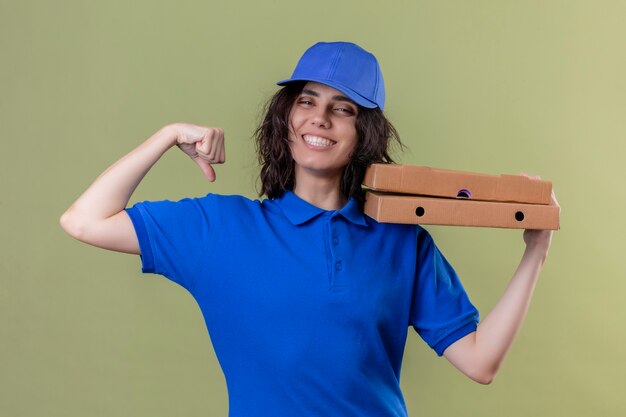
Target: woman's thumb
206	168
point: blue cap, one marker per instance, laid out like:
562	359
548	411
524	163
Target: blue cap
346	67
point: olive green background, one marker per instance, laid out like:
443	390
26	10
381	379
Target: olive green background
487	86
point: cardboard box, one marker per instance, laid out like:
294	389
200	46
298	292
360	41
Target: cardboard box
389	208
410	179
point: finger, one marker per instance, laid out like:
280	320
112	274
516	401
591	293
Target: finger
532	177
222	154
220	151
206	168
554	200
213	150
216	144
203	145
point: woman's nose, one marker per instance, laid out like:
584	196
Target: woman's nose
321	118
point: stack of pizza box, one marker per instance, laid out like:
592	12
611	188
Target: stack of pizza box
422	195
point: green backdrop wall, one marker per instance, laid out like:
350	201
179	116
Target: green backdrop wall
487	86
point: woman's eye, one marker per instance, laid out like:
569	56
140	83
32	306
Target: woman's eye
305	102
345	110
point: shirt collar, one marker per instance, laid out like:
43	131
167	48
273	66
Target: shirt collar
299	211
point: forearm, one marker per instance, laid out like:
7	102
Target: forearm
110	192
495	334
480	354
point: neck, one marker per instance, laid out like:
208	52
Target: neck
321	191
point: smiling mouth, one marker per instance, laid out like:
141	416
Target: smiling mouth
317	141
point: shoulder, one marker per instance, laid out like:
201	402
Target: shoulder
199	209
228	202
409	238
394	230
232	208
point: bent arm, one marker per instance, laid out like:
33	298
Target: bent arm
97	217
480	354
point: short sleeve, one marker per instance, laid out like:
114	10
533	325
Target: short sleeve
441	311
173	236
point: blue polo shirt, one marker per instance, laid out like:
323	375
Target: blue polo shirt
307	309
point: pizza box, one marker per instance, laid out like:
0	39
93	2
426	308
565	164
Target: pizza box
422	180
390	208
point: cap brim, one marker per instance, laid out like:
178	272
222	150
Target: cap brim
351	94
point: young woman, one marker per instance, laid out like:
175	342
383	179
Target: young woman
307	301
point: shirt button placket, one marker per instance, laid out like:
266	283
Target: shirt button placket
338	281
338	264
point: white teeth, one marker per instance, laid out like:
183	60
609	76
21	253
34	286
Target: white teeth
317	141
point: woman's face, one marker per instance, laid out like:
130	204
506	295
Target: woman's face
322	130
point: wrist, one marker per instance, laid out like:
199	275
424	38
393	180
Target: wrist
536	252
166	137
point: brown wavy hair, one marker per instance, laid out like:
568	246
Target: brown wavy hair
375	133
